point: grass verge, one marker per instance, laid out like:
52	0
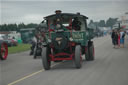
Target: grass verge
19	48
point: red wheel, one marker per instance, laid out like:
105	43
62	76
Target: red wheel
3	51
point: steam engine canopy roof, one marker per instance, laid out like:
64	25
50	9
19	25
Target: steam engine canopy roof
67	15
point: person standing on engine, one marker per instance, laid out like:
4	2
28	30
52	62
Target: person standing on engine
76	24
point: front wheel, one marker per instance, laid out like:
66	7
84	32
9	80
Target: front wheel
45	58
77	57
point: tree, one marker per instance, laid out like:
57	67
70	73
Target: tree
15	27
111	21
101	23
91	22
31	25
21	25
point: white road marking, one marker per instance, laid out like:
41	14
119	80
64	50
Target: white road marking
30	75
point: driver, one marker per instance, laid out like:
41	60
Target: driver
56	24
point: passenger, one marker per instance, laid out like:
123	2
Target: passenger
53	26
122	36
76	24
112	36
116	40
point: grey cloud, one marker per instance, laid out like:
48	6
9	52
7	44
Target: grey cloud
34	11
64	0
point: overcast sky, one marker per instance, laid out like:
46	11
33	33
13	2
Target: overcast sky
33	11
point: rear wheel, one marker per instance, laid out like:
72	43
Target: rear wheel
77	57
90	56
3	51
35	52
45	58
86	54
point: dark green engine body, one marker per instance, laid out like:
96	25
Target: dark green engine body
79	37
67	38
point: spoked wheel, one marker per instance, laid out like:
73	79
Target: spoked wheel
45	58
3	51
90	56
77	57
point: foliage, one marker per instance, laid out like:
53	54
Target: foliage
111	21
16	27
102	23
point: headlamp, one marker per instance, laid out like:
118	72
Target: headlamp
71	39
49	40
58	26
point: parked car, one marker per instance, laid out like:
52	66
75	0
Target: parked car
14	42
11	42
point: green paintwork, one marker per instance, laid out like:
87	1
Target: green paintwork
80	37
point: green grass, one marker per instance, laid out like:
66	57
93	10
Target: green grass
19	48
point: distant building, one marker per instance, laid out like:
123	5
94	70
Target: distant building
5	32
124	21
11	35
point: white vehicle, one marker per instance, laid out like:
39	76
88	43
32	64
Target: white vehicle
2	36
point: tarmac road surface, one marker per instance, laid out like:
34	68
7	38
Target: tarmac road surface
110	67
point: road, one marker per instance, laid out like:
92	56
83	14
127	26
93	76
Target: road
110	67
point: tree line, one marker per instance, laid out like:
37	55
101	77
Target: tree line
17	27
102	23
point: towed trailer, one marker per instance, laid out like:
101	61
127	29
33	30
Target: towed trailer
3	50
67	38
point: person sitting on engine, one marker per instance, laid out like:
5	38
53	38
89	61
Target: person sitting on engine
52	25
76	24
